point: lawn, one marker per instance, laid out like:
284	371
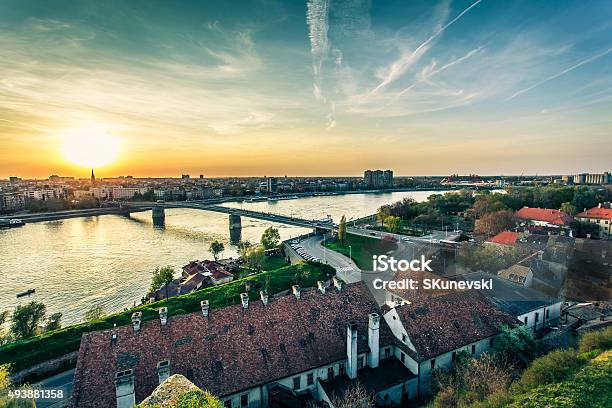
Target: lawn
26	353
361	249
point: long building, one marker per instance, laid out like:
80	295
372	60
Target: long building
281	351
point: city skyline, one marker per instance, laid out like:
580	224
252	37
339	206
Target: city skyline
321	88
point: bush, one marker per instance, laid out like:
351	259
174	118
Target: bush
597	340
554	367
198	399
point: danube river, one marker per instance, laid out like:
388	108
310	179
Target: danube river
78	263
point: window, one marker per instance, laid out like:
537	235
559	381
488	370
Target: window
388	352
402	358
526	319
537	317
433	363
404	338
473	349
330	373
228	403
342	369
491	342
547	313
296	383
310	379
244	400
454	356
360	362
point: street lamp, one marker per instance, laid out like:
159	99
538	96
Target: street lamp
350	252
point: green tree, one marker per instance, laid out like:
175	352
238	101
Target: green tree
54	322
568	208
270	238
95	313
394	224
161	276
216	248
516	345
583	229
382	213
342	230
243	248
255	257
26	319
494	223
5	334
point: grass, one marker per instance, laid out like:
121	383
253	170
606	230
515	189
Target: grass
26	353
361	249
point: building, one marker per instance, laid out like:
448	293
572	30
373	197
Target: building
213	270
508	238
285	350
544	217
10	202
600	215
597	179
271	184
378	178
519	274
45	193
533	308
93	178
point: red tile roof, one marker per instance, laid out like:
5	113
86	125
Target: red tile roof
554	217
231	350
596	212
448	322
505	238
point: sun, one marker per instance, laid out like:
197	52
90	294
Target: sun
90	147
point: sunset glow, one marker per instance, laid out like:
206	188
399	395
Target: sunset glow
90	147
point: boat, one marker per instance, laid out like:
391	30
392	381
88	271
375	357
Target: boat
11	223
26	293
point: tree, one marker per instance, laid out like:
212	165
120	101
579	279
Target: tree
354	396
26	319
216	248
95	313
342	230
516	345
54	322
568	208
394	224
582	229
243	248
161	276
270	238
255	257
382	213
494	223
5	334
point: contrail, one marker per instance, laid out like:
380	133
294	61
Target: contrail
391	77
565	71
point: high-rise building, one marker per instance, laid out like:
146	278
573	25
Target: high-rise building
272	184
378	178
586	178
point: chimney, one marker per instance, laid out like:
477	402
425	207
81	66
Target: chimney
599	206
163	315
205	307
163	370
296	291
373	336
124	389
264	297
321	286
136	320
337	283
245	300
351	350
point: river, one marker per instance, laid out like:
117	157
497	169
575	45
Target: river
78	263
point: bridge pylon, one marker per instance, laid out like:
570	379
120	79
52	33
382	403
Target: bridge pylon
159	215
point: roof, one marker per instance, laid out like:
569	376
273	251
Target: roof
510	297
516	273
193	282
548	215
233	349
596	212
505	238
449	322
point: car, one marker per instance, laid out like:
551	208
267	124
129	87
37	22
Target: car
406	239
373	234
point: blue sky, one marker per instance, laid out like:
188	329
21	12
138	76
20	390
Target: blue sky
315	87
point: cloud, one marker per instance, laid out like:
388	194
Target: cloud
565	71
317	18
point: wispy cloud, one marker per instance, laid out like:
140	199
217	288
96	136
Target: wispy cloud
565	71
400	66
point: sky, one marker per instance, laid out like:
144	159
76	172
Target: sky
320	87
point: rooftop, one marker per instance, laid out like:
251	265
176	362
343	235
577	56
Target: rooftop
596	212
505	238
548	215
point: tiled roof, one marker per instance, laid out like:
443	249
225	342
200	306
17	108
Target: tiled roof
596	212
505	238
516	273
448	322
231	350
551	216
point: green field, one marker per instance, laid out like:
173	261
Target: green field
26	353
361	249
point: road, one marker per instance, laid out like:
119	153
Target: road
346	269
59	381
